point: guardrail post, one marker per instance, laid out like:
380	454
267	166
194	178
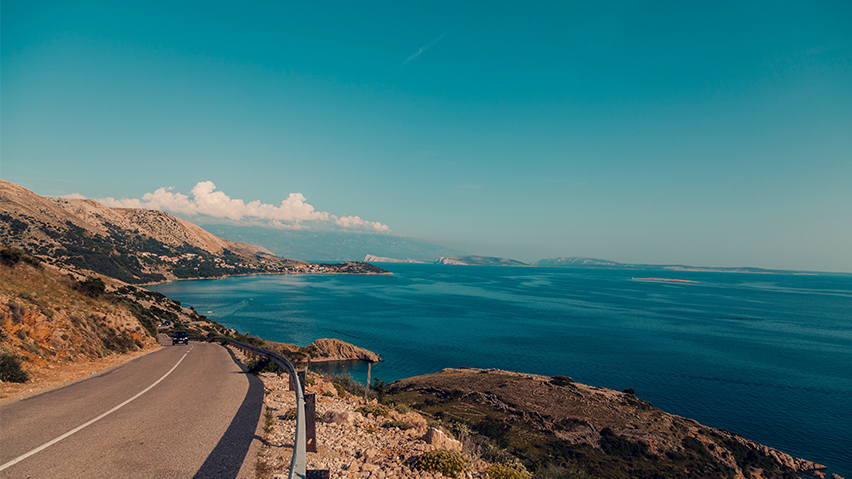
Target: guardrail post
311	422
302	380
367	389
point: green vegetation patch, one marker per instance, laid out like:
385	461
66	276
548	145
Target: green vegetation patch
502	471
262	365
377	410
10	369
448	463
11	257
561	381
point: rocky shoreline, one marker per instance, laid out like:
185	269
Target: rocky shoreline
354	442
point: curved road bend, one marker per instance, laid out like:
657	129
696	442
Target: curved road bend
198	421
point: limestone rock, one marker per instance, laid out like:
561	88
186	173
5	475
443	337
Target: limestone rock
326	387
440	440
415	420
344	418
326	349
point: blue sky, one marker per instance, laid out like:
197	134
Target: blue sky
704	133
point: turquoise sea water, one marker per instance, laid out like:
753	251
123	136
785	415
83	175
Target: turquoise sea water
768	356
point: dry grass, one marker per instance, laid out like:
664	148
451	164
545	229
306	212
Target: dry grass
59	332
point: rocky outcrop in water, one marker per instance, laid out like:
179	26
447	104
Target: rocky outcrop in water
326	349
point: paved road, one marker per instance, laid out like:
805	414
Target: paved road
198	421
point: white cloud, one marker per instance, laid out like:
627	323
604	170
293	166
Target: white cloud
356	222
73	196
204	200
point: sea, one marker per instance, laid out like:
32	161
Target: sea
768	356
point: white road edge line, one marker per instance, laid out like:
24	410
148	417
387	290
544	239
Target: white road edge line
78	428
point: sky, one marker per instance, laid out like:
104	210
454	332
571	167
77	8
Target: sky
699	133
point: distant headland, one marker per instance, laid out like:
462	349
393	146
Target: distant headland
579	262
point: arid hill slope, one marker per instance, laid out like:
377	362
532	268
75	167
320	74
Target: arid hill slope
598	431
134	245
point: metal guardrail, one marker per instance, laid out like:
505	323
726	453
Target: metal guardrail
298	464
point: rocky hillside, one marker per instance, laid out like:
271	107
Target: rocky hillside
50	318
51	313
136	246
588	431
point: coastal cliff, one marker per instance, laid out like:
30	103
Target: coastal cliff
595	431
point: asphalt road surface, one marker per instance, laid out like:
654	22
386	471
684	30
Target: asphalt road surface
182	411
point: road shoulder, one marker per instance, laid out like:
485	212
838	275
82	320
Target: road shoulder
57	375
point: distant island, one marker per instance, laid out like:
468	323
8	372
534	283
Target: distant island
578	262
471	260
665	279
381	259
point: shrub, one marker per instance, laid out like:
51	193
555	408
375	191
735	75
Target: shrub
340	390
502	471
552	471
17	316
10	369
290	415
11	257
448	463
328	394
400	424
374	409
93	287
403	409
379	387
694	444
615	445
262	365
561	380
114	341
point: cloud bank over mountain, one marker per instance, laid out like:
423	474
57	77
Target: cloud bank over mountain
292	213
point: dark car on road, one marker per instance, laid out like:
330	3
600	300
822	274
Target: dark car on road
180	337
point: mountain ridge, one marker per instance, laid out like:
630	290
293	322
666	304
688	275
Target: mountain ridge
137	246
333	245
